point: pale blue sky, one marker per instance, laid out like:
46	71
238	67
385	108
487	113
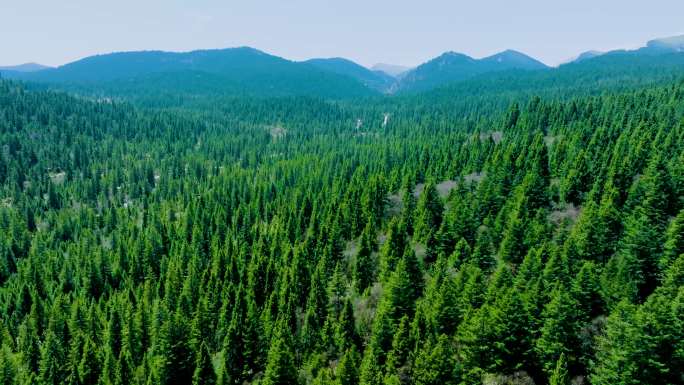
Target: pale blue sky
403	32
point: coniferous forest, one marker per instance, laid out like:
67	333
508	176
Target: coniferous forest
531	237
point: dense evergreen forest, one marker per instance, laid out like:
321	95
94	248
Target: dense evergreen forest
427	240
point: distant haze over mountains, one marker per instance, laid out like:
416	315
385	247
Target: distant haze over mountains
248	71
675	43
26	67
390	69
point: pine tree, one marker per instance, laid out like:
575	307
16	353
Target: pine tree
51	360
204	369
347	371
336	292
620	279
616	349
370	372
436	364
460	254
558	334
280	366
345	328
446	307
8	369
316	313
88	370
512	246
641	244
408	207
404	287
364	267
28	343
674	242
560	373
401	347
429	212
586	291
516	346
391	251
124	369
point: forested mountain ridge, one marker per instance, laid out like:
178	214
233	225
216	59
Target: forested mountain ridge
658	59
610	72
452	67
277	241
209	75
235	71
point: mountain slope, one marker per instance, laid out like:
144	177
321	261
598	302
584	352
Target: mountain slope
374	79
243	70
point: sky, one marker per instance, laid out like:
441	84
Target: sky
367	31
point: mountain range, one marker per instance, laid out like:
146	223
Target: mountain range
248	71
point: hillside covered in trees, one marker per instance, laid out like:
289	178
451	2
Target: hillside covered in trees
427	240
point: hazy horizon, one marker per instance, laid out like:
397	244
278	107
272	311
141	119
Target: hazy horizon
397	32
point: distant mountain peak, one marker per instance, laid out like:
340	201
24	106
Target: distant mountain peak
586	56
510	53
450	58
454	54
516	59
